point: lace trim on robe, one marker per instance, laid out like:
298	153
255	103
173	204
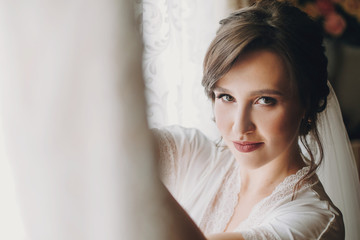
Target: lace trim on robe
223	204
284	191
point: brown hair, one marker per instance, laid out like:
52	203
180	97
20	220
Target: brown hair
297	39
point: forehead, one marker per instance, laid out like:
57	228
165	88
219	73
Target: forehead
261	69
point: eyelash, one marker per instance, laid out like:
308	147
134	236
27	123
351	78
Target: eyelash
271	101
223	96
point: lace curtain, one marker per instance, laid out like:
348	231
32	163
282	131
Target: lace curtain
176	35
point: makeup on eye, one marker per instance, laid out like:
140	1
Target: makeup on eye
265	100
261	100
225	97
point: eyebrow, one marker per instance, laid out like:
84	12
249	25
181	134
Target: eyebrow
257	92
220	89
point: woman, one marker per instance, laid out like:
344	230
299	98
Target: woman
265	73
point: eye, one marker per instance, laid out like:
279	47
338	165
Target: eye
225	97
267	101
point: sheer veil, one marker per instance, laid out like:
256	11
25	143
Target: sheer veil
338	172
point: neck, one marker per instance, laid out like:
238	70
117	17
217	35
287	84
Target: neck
265	178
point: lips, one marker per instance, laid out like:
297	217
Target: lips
246	147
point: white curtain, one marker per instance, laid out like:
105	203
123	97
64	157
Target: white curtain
70	79
176	36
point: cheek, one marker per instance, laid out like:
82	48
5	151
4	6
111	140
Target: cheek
271	125
283	126
222	118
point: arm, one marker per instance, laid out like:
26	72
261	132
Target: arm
180	151
176	220
226	236
178	224
171	142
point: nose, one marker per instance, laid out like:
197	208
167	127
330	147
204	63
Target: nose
243	123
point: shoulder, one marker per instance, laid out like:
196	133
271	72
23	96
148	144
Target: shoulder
311	215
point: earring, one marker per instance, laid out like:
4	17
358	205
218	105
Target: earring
309	122
305	126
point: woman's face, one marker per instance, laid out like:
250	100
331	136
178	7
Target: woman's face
257	111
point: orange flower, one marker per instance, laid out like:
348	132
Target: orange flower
334	24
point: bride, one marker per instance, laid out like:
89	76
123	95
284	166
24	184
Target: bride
266	74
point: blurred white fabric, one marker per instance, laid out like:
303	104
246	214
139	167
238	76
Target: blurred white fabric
11	225
70	75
